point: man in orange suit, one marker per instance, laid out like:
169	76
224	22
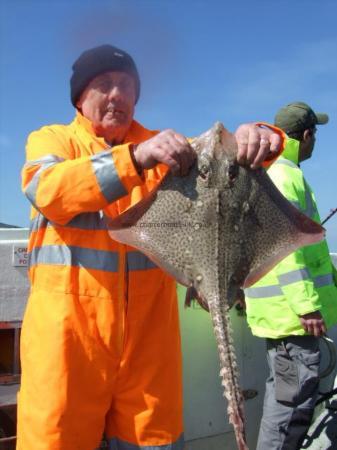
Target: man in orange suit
100	337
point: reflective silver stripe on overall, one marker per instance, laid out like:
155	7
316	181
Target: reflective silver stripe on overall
293	276
323	280
286	279
310	210
88	258
138	261
107	176
117	444
63	255
85	221
263	291
44	163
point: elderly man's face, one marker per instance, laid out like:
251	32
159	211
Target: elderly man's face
108	102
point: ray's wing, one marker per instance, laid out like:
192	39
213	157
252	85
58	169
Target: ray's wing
169	226
281	230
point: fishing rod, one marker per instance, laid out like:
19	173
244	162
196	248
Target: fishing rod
332	212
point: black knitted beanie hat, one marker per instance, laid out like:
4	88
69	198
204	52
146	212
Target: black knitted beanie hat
96	61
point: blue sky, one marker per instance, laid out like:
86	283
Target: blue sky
199	61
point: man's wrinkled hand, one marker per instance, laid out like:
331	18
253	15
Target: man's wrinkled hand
255	143
168	147
313	323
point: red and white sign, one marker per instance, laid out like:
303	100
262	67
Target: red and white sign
20	256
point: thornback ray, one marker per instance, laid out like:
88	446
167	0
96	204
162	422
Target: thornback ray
221	227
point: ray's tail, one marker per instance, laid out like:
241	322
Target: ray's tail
229	370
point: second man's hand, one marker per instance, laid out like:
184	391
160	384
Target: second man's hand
313	323
255	144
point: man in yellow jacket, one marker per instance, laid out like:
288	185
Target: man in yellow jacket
295	303
100	339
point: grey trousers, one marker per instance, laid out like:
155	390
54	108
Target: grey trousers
291	392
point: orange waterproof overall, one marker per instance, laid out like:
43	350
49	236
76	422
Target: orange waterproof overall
100	342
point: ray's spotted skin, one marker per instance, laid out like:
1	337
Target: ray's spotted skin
220	228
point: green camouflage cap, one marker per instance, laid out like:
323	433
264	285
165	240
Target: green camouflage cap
298	116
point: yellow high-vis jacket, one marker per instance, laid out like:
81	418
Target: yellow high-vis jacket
304	281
